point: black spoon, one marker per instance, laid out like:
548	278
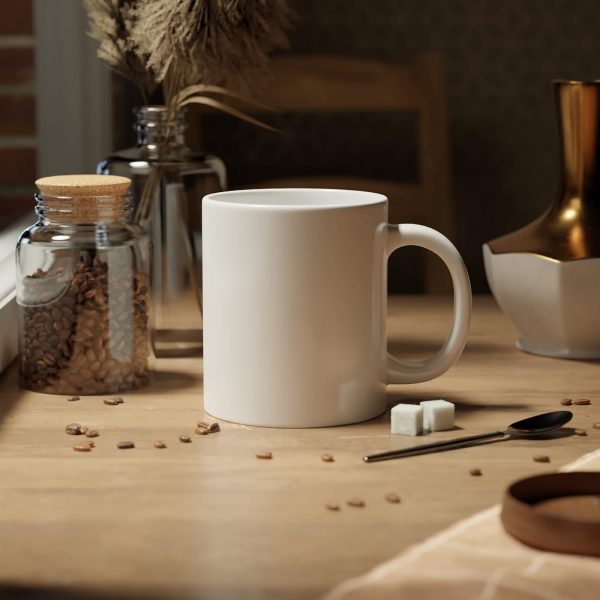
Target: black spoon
529	427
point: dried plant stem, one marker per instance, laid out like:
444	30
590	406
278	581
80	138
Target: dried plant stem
203	88
206	101
142	211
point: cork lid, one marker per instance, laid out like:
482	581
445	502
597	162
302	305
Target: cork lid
83	185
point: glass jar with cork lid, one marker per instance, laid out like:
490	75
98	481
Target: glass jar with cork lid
83	289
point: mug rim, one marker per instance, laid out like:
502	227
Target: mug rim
353	198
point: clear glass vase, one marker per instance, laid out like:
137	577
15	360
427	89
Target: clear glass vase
169	182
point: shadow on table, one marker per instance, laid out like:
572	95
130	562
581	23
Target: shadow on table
8	380
396	396
415	347
419	349
563	432
10	591
169	381
579	361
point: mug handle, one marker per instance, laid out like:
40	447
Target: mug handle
399	371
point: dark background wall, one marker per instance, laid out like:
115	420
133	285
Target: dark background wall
500	58
17	110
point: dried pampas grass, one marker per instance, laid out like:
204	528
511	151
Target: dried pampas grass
201	52
112	23
215	42
181	43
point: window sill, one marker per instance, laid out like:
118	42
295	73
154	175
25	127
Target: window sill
8	303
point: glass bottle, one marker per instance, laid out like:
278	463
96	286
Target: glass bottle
169	182
83	290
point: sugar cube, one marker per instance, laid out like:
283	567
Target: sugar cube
438	415
407	419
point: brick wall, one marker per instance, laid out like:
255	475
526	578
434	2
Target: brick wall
17	109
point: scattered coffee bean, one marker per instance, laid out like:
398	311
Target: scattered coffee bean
205	428
596	425
325	457
159	444
541	458
582	401
92	433
73	398
566	402
91	339
392	497
125	445
475	472
185	439
266	455
73	429
355	501
82	448
89	443
111	401
580	432
332	505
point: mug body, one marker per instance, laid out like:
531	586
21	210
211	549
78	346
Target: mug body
294	306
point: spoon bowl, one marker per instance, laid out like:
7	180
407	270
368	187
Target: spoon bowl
540	424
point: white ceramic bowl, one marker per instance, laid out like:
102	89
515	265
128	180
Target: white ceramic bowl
554	305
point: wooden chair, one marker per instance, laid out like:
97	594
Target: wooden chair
333	84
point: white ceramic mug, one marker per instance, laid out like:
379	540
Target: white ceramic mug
294	288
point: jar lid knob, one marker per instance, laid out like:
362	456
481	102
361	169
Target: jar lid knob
83	185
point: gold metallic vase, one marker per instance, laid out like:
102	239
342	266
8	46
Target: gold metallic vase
546	276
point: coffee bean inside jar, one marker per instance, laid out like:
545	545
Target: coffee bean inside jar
83	290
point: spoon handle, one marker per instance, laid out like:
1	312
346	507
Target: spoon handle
462	442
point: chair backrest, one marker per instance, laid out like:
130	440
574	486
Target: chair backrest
333	84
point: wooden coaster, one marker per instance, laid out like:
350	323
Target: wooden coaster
557	512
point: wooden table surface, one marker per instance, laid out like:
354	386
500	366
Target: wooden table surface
209	520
